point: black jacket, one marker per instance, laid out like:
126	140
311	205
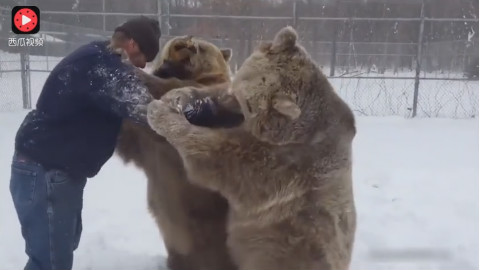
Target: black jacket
79	112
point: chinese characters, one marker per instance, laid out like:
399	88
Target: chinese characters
25	42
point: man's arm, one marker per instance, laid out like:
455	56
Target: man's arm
116	89
159	86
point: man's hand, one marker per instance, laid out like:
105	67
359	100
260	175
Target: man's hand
142	75
156	86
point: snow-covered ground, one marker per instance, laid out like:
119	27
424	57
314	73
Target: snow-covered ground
416	181
416	191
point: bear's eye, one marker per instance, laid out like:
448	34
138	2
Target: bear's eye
178	47
193	49
201	49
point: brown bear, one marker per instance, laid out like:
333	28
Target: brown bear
191	219
188	61
286	171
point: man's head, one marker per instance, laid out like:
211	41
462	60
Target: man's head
139	39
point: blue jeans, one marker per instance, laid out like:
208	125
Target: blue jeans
49	208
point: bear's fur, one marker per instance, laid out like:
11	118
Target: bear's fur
286	172
191	219
188	61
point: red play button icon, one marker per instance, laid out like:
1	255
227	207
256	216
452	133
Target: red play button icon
25	20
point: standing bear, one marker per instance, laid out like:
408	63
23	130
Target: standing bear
286	171
191	219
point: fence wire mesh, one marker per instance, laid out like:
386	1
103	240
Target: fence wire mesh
10	82
386	97
448	98
374	73
376	96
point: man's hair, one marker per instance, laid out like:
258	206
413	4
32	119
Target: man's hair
118	38
116	42
145	32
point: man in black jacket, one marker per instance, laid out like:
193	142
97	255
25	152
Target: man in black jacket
72	133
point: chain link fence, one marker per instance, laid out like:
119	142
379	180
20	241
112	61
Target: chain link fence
424	77
386	97
10	82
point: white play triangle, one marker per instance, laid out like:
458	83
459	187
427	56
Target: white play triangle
25	19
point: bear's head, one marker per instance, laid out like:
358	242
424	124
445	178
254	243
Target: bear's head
190	58
279	90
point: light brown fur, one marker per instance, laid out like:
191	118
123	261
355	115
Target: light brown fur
208	64
191	219
286	172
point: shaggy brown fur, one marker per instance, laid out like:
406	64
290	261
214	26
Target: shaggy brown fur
206	64
287	172
191	219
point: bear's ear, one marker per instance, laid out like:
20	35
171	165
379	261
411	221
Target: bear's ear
188	38
227	54
285	39
286	106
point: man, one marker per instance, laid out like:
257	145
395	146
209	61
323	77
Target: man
72	133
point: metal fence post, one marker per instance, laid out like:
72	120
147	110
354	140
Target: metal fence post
419	60
160	21
104	20
25	76
333	59
167	17
295	14
159	13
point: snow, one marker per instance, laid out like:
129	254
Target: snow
75	5
416	181
118	232
415	184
